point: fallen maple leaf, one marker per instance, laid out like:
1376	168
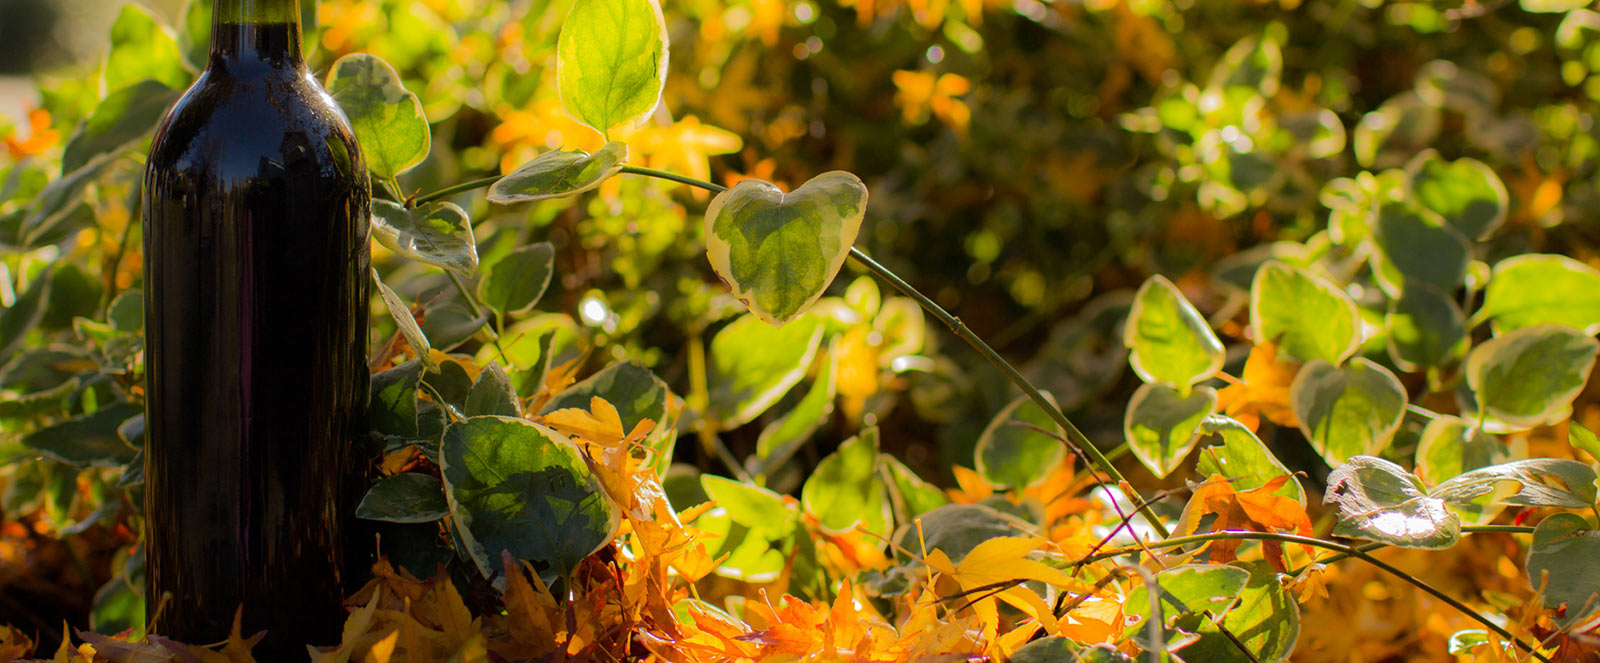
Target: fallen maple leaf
1256	509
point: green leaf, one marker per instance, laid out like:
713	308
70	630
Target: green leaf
1449	447
1347	411
1083	357
517	486
89	439
752	365
1395	130
1169	340
1530	376
392	411
117	607
611	61
1183	591
405	498
1581	437
1462	642
785	435
844	490
1415	247
437	233
194	32
142	48
778	252
73	294
407	323
387	118
127	311
1162	424
1011	455
1305	315
912	495
1380	501
754	507
57	208
46	401
1266	619
1465	192
1561	566
559	174
956	529
1535	289
1554	482
492	393
1425	327
24	314
121	121
637	394
452	324
751	555
517	281
1242	458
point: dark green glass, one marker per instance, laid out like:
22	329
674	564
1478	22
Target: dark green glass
256	206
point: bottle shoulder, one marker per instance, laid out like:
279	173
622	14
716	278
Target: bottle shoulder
252	122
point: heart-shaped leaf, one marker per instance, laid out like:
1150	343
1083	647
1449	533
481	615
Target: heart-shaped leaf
1449	447
1556	482
1010	455
1536	289
387	118
141	48
1242	458
1530	376
778	252
517	281
1465	192
405	498
437	233
752	365
407	323
1425	327
559	174
845	490
1183	591
1305	315
1347	411
1169	341
611	61
1381	501
120	121
493	393
1561	564
514	485
1162	424
752	506
913	496
451	324
1416	246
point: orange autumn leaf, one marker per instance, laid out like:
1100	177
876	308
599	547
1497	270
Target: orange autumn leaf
40	136
1262	391
1256	509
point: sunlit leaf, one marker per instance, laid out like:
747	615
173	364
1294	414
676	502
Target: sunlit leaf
1347	411
1183	592
779	251
1242	458
1013	455
845	489
611	61
438	233
1425	327
1162	424
1380	501
752	365
1554	482
1449	447
407	323
1530	376
1169	341
1535	289
1465	192
387	118
1303	314
558	174
141	48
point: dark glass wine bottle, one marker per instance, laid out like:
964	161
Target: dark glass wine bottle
256	205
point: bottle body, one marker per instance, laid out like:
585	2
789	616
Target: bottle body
256	208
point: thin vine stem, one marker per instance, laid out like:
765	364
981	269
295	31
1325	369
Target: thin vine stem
1075	437
448	191
1351	551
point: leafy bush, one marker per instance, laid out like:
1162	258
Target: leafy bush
1378	289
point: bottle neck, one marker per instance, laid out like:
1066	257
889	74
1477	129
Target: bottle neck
256	30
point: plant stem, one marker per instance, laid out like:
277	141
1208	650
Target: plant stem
477	310
453	190
1350	551
1075	437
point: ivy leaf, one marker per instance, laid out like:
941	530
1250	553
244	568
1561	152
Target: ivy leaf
120	121
1535	289
1380	501
844	490
404	498
407	323
1183	591
611	61
781	438
1561	564
438	233
1266	620
1347	411
559	174
1303	314
89	439
1242	458
778	252
387	118
1555	482
492	393
1415	247
1425	327
141	48
636	393
1465	192
753	365
1014	456
1530	376
1162	424
752	506
1449	447
392	411
517	281
1169	340
518	486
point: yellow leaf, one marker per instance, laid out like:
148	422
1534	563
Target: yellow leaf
1003	559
